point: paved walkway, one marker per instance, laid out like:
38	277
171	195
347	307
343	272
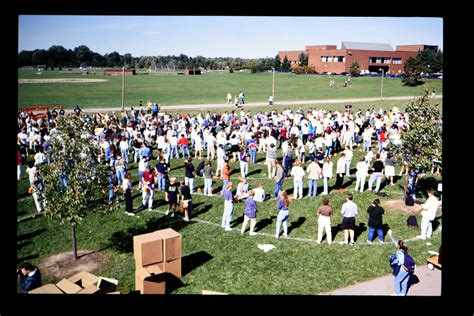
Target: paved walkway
429	285
232	106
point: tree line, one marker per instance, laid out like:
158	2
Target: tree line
58	57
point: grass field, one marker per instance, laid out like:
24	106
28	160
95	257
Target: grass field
210	88
226	261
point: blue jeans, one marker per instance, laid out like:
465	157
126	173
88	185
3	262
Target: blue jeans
124	154
282	219
328	151
367	145
313	187
380	147
161	182
63	182
185	149
379	233
228	212
174	151
400	283
120	172
298	188
111	193
378	176
253	155
107	154
278	187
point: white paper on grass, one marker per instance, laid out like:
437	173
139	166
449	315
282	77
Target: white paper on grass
433	252
265	247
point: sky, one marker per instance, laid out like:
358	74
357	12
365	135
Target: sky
219	36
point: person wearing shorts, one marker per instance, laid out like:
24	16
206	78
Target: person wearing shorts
349	212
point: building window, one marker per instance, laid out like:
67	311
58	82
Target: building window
397	61
339	59
324	59
329	59
372	60
386	60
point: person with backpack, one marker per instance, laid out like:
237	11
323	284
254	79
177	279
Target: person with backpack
404	266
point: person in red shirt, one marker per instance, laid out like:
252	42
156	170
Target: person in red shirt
184	143
382	139
148	183
226	173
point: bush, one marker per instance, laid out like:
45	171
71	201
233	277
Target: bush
304	70
231	70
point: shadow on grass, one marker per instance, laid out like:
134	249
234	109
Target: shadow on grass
335	230
194	260
202	210
296	223
23	195
264	223
425	183
435	223
31	235
172	283
254	172
122	241
358	230
23	244
237	221
176	168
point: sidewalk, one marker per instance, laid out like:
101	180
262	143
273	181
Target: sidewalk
232	106
429	285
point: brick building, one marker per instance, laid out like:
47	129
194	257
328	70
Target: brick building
119	72
371	56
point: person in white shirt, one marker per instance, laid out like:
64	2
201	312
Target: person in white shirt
340	170
349	212
37	193
348	154
314	173
124	148
297	173
259	192
361	174
242	189
327	173
211	146
428	214
39	156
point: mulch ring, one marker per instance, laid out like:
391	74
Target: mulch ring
399	205
63	265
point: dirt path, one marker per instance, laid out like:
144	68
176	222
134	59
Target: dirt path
231	106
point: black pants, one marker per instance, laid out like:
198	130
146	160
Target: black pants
339	181
128	201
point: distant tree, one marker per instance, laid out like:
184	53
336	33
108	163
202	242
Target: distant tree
304	70
303	59
39	57
286	64
423	138
87	180
83	55
412	72
355	68
113	59
25	58
277	62
430	60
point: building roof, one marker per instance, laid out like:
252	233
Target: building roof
367	46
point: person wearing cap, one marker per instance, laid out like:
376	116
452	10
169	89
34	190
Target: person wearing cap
148	185
185	200
172	196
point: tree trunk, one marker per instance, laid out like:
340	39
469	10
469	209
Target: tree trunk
74	245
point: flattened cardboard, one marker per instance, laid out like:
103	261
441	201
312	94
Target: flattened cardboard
84	279
46	289
68	287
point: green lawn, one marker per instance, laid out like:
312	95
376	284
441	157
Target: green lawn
226	261
210	88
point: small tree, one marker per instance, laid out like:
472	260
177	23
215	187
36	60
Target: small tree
412	72
423	138
75	155
286	64
277	62
303	59
355	68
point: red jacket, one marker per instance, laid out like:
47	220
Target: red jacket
183	141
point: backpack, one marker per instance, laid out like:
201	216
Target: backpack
412	222
409	262
409	200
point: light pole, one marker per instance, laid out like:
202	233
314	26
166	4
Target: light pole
381	85
273	82
123	86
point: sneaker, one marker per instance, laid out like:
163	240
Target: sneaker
277	237
253	234
369	242
241	232
285	236
167	212
381	241
172	214
351	243
150	209
228	229
318	242
421	237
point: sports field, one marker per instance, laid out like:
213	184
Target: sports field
210	88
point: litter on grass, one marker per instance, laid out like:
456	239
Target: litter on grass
265	247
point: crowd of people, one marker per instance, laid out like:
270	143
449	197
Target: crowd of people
316	145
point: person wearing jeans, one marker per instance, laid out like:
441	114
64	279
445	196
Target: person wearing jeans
279	177
401	273
314	173
208	179
375	221
428	215
378	167
283	214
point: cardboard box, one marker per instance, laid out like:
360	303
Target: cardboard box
147	249
68	287
84	279
150	280
172	243
46	289
91	289
174	267
107	285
